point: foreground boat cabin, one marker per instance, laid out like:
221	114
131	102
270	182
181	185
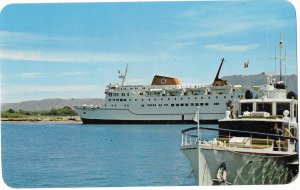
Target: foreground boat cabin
260	115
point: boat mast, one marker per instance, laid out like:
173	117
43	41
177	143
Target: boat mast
281	58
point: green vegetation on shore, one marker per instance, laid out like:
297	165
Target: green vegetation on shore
61	114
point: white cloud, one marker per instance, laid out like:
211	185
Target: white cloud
177	45
212	21
32	38
72	57
37	47
31	75
75	73
23	47
213	27
206	23
7	90
231	48
190	13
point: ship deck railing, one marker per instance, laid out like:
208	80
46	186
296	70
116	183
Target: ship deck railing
260	141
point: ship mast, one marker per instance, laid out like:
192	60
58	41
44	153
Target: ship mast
123	76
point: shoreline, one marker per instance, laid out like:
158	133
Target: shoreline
44	122
43	119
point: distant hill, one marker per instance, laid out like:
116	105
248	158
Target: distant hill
48	104
260	79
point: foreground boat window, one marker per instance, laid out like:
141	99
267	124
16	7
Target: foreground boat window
246	107
264	106
281	106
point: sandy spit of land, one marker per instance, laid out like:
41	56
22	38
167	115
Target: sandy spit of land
47	119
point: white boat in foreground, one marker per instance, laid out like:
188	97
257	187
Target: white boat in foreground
242	151
230	160
256	145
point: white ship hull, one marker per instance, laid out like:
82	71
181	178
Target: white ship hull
242	168
212	109
126	116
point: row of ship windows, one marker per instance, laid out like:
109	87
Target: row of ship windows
131	88
110	94
117	94
172	105
121	99
136	88
182	104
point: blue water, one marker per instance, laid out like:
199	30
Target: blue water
76	155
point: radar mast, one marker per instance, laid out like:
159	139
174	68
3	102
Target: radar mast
123	76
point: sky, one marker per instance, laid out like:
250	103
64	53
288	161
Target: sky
73	50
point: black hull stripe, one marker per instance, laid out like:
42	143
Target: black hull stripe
247	125
107	121
188	149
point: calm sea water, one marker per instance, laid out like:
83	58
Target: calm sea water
76	155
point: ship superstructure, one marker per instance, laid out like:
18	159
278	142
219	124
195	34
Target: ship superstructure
164	101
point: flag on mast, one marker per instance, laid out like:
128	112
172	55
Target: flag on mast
246	64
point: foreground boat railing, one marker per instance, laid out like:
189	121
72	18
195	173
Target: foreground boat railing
245	139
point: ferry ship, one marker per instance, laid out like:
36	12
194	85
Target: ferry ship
165	101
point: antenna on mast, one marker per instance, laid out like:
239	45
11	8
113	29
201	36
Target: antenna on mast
285	65
275	59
